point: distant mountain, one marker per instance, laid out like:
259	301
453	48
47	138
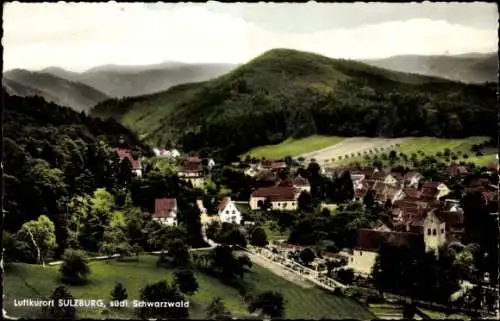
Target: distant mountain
286	93
128	81
54	89
468	68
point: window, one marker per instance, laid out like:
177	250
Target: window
433	231
234	212
428	231
227	212
442	230
360	253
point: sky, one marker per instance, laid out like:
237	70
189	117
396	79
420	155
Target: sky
79	36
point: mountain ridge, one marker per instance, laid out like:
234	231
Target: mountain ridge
287	93
63	92
468	68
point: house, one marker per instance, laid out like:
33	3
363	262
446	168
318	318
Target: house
411	192
228	212
165	211
369	243
434	190
135	163
174	153
455	170
271	165
251	171
385	178
192	171
386	192
411	179
281	198
297	182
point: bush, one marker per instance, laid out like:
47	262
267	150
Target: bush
74	269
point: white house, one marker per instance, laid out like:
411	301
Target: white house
251	171
165	211
228	212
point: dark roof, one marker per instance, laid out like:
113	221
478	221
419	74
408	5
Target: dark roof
371	240
164	207
276	193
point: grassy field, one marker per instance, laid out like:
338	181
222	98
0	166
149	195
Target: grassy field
30	281
294	147
430	146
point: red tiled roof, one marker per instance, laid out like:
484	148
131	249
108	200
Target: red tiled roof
192	167
454	170
276	193
412	192
125	153
223	203
164	207
431	184
371	240
192	159
295	181
490	196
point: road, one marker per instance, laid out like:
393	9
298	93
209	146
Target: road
278	270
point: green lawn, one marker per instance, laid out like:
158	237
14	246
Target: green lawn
294	147
430	146
30	281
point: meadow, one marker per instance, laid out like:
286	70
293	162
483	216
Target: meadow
294	147
33	281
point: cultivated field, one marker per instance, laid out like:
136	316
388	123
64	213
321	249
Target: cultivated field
352	147
30	281
294	147
430	146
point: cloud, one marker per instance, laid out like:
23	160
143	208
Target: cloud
80	36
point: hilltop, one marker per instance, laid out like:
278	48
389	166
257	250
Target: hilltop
63	92
127	81
468	68
286	93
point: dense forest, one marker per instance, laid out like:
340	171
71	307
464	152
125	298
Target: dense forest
286	93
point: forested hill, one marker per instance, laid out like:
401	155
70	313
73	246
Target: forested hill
52	153
285	93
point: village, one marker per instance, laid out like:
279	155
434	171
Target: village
421	212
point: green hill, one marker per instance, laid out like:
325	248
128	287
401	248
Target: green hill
286	93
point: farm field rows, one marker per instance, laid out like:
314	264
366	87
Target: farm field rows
351	146
430	146
31	281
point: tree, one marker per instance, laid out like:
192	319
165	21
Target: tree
162	292
271	303
304	202
346	276
259	237
179	253
307	256
216	310
119	292
369	199
137	250
74	269
61	312
39	237
186	281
